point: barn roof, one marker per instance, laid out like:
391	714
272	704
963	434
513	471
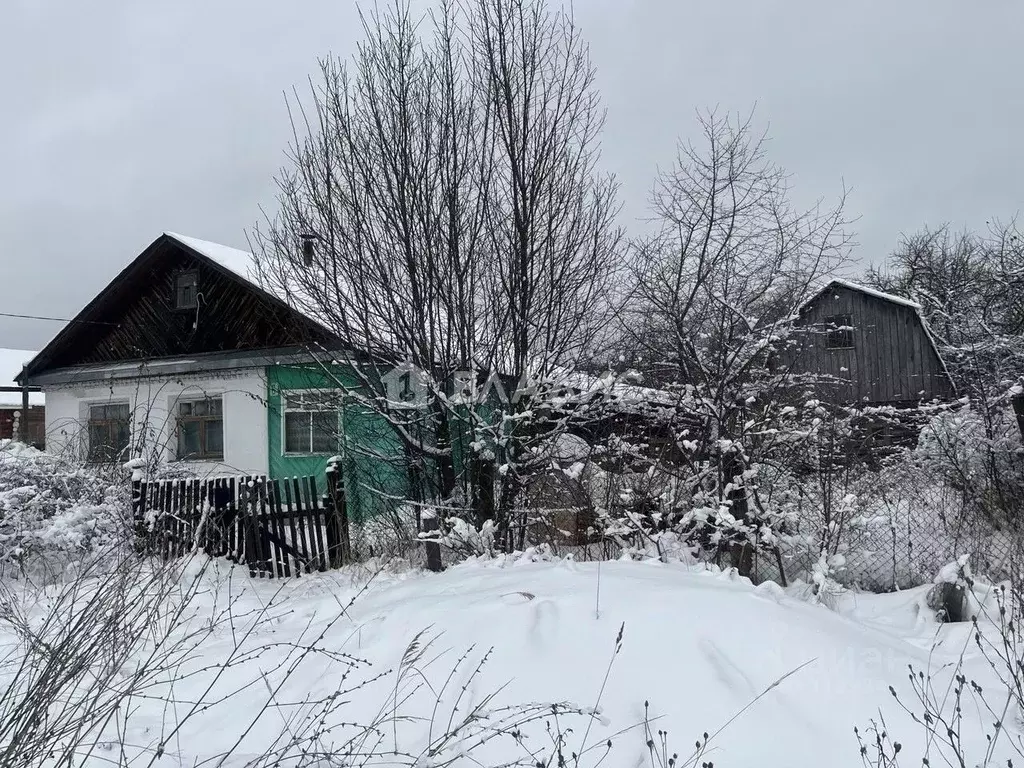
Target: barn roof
849	284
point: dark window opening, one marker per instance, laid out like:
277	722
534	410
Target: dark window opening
186	290
109	432
839	332
201	429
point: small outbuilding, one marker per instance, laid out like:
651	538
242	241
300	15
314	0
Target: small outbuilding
17	423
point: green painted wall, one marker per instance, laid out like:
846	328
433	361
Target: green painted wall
372	460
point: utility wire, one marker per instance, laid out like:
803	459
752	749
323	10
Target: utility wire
55	319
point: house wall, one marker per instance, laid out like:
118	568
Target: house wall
152	402
372	463
892	359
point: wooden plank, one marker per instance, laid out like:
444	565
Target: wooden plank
156	512
175	509
281	527
139	527
165	532
195	504
867	350
221	494
235	537
294	540
199	500
181	518
158	519
245	553
184	525
317	508
277	520
309	518
301	522
267	546
255	537
894	388
903	388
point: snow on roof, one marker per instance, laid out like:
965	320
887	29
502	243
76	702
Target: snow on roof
891	297
11	363
242	263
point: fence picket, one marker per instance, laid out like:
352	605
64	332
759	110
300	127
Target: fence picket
265	527
278	528
235	551
295	497
316	513
274	503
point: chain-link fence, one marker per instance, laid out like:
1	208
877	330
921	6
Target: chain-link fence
879	529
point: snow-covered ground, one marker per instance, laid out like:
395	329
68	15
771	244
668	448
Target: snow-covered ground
698	646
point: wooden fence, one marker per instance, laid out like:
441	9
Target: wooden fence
279	528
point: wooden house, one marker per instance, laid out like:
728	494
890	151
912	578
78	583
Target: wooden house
184	359
866	347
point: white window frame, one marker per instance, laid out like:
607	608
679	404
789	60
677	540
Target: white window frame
285	394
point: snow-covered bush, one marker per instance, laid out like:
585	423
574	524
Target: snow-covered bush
52	512
980	454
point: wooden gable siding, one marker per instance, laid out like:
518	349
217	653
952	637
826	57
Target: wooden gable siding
135	317
892	359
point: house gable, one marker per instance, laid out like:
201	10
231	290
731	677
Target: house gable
879	349
141	314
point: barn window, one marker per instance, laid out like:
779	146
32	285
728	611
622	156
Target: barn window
201	429
311	422
840	332
108	432
186	289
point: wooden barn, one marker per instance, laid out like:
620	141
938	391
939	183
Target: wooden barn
866	347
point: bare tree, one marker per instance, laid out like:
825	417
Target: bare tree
971	289
713	294
450	183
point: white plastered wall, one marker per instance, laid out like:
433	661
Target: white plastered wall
152	401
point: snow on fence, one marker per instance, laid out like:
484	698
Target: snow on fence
279	528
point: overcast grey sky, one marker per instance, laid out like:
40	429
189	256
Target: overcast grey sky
122	119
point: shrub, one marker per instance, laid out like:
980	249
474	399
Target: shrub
52	512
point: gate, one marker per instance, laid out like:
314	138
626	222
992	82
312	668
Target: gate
278	528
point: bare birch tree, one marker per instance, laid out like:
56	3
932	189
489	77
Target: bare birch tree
450	183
